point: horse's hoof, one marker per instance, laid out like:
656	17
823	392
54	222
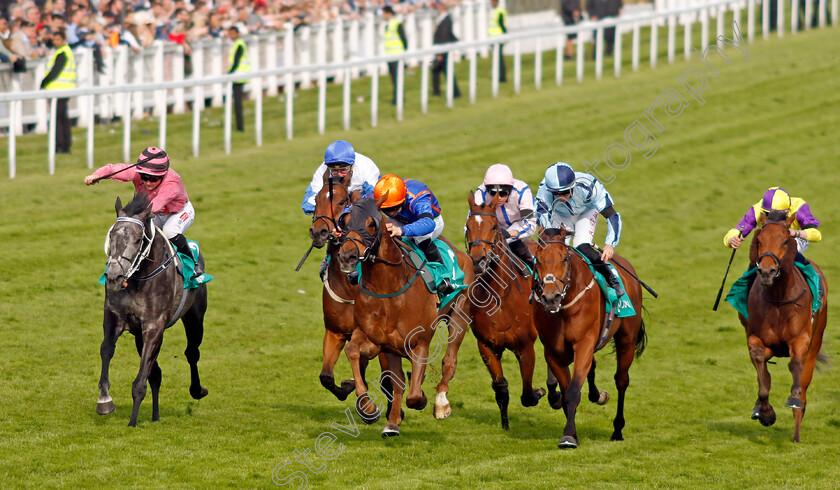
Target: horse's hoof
347	387
567	442
767	421
794	402
555	400
390	430
368	418
106	408
441	412
505	425
616	437
604	398
417	404
756	414
198	394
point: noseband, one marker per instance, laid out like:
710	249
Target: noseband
145	248
541	282
330	220
481	242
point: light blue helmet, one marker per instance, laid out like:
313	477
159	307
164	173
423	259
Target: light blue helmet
339	154
559	177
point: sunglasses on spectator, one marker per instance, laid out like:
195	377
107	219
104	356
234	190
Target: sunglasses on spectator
500	192
150	178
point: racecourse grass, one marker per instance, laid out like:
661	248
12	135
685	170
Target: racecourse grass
771	120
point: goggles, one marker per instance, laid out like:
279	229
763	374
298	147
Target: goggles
150	178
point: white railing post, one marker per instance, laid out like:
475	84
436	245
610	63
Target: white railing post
121	74
424	84
271	64
704	28
579	57
617	51
411	32
51	144
374	94
721	18
157	73
822	13
84	73
91	127
517	66
198	95
400	102
494	70
179	105
161	97
353	44
672	38
599	52
127	129
765	18
139	77
538	63
218	54
228	115
750	21
780	17
346	100
636	36
483	19
687	39
322	100
559	59
198	74
256	63
12	139
654	42
338	46
450	80
42	109
257	88
305	56
16	109
472	57
289	87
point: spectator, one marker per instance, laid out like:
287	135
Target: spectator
241	21
61	76
7	55
570	12
238	61
602	9
497	27
395	43
214	25
443	35
21	41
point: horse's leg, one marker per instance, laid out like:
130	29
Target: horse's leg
530	397
555	398
457	333
392	428
625	350
759	354
193	321
416	399
365	406
492	358
155	377
582	364
149	352
333	344
596	396
105	404
801	367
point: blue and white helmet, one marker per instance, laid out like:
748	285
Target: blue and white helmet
339	154
559	177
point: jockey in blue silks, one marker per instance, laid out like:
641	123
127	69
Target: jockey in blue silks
338	159
574	200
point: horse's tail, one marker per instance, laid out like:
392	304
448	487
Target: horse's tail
823	362
641	337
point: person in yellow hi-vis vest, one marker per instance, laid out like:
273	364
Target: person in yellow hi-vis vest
498	16
238	63
61	75
395	43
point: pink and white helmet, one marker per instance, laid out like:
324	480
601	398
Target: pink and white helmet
153	161
498	174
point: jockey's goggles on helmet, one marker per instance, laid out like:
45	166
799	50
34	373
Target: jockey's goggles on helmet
150	178
501	190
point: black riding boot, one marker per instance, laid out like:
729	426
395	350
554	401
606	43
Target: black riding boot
599	265
180	242
519	248
432	254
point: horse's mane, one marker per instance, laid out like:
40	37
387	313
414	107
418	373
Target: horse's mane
776	216
552	232
138	204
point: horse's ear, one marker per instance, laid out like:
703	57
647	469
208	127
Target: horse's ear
118	206
382	198
790	219
754	248
355	196
471	199
563	231
326	176
494	203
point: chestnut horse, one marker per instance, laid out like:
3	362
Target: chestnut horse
395	310
780	321
501	312
569	313
339	296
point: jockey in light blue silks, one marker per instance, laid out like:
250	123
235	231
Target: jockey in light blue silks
574	199
338	159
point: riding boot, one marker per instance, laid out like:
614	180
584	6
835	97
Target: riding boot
609	275
432	254
323	270
180	242
801	259
519	248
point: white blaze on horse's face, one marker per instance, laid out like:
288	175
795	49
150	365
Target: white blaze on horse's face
126	240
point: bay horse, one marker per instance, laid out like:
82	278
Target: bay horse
781	322
338	297
569	312
502	316
396	311
145	295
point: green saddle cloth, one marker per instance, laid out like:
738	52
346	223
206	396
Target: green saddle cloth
624	308
739	294
449	269
188	264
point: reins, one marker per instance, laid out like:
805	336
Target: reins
778	266
143	254
539	284
498	241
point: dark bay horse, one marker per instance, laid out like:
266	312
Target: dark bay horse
396	311
339	295
502	316
569	312
145	295
780	321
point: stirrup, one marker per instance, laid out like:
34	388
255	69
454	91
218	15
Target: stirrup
446	287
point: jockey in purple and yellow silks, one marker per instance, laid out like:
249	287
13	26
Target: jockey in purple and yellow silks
803	227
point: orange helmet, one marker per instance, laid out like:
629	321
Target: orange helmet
394	186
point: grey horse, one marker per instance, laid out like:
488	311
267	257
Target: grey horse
144	294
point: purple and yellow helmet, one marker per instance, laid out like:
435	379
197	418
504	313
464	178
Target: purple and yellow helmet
775	199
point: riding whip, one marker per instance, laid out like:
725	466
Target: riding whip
141	162
304	257
634	276
720	292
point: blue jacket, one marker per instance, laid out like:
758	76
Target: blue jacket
420	209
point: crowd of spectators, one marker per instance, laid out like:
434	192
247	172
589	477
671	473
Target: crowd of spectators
26	27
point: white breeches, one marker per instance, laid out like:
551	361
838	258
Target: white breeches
583	226
176	223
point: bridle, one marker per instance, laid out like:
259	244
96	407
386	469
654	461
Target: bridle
330	220
145	249
497	238
540	282
778	267
777	263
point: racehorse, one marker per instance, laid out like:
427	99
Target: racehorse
569	312
395	310
502	317
145	295
780	321
339	295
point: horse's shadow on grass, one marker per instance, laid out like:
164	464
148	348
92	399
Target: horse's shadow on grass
778	435
122	414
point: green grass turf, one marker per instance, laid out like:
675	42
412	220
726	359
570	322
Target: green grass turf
769	121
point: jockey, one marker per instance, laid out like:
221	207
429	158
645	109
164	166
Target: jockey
516	207
173	212
411	203
803	228
338	159
574	199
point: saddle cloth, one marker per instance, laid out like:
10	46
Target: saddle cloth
739	293
623	305
188	265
